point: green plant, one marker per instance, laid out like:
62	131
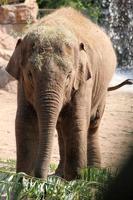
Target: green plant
89	7
7	165
53	167
3	2
90	185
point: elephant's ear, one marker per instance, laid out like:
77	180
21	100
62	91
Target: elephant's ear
83	71
13	67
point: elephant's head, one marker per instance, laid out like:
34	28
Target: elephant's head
51	64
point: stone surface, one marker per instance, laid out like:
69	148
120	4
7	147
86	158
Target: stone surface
7	45
14	19
19	13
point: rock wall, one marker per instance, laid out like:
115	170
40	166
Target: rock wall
14	19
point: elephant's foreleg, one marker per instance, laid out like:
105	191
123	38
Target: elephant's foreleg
26	135
76	130
76	148
60	169
76	124
93	148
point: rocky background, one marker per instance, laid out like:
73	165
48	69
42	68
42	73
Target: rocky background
14	19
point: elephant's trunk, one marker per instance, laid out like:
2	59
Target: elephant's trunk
49	107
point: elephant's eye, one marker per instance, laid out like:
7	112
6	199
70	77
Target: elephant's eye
29	74
69	75
68	79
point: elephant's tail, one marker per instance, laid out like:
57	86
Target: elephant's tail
126	82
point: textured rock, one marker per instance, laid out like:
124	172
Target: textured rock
7	45
13	20
19	13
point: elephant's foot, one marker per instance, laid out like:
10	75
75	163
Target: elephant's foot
71	174
60	171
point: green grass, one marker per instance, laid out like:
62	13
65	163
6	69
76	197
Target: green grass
90	185
7	165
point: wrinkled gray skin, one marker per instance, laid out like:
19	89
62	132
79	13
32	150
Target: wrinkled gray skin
63	71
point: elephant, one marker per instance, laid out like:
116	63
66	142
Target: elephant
63	66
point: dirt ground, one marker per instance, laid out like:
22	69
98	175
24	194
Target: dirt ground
116	131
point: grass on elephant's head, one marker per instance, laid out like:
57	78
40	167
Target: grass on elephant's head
90	185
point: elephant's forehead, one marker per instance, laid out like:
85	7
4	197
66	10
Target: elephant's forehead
48	36
45	43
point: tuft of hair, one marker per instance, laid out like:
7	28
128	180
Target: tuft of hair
46	40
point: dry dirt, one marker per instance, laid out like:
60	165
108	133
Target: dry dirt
116	131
